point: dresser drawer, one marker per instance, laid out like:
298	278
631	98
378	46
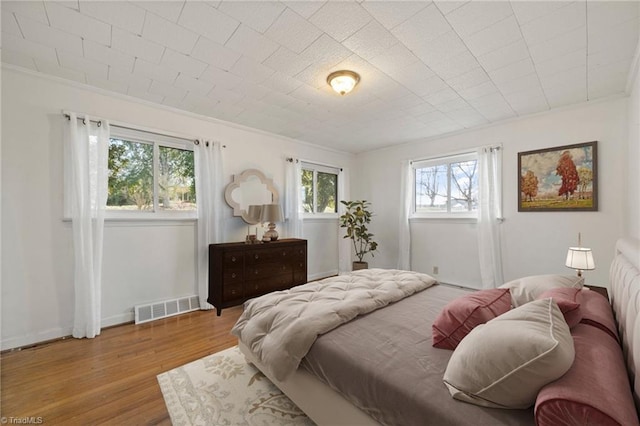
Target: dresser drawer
277	255
232	292
300	277
254	288
267	270
232	276
300	253
232	259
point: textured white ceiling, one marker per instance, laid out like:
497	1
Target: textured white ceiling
427	68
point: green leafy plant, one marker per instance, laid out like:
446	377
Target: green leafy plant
356	219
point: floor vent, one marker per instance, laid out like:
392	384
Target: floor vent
166	308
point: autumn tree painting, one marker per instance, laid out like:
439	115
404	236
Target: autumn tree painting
555	179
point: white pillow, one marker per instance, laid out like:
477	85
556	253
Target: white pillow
505	362
527	289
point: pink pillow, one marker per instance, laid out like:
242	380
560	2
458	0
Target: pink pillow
568	300
461	315
596	312
595	390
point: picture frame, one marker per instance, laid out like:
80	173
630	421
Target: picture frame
563	178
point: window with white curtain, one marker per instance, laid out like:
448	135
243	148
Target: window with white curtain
150	175
446	186
319	189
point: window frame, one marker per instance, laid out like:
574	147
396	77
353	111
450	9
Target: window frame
315	168
443	160
157	140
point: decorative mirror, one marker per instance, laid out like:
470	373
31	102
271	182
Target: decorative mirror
247	191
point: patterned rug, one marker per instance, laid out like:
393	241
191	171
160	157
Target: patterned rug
222	389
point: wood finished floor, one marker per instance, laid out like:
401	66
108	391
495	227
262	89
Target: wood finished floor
111	379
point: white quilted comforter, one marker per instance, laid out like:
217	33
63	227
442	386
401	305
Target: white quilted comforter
280	327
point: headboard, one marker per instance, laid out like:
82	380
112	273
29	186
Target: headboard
624	278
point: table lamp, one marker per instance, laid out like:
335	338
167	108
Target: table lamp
271	213
580	258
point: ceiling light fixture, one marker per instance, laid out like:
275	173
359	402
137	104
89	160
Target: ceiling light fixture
343	81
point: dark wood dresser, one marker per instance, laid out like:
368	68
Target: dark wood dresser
239	271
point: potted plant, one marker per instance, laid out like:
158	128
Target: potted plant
355	219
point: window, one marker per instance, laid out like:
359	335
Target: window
150	173
319	189
446	186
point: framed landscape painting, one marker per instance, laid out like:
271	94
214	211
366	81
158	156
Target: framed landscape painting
563	178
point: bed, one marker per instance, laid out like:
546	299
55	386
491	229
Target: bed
379	366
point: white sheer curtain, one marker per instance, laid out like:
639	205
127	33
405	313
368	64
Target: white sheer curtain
209	179
404	234
86	150
490	215
344	244
293	203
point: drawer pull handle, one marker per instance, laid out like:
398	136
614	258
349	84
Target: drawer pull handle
255	287
233	292
257	256
256	272
233	258
284	253
233	275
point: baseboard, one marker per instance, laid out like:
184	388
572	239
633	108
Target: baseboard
122	318
59	333
35	338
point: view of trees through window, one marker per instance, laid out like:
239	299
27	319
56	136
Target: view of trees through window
319	191
447	187
131	177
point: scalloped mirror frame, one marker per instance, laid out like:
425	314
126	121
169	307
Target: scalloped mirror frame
238	179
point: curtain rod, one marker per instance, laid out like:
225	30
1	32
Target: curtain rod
84	121
99	123
291	159
491	148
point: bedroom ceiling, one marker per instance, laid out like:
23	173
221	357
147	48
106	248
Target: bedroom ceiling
427	68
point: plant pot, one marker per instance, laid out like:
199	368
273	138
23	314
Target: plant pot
360	265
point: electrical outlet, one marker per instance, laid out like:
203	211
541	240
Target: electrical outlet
435	270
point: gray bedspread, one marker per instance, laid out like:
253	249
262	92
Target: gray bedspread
280	327
384	363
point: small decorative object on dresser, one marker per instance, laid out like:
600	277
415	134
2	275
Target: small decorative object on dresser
239	271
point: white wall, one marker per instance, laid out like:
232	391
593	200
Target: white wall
633	219
533	243
143	261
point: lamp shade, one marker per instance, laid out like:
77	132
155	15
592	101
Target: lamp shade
580	258
254	213
271	213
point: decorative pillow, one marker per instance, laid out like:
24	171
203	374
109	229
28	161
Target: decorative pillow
594	391
596	311
527	289
568	300
505	362
463	314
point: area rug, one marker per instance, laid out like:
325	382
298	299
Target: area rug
223	389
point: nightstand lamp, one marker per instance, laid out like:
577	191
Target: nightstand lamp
580	258
271	213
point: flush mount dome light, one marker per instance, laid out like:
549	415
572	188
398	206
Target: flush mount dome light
343	81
